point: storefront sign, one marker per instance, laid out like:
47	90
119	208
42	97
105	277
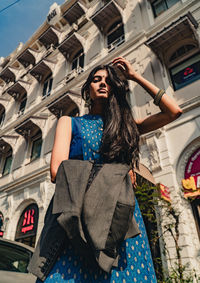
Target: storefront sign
27	225
28	221
191	183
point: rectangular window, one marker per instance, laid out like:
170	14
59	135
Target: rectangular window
186	72
7	165
36	148
47	87
78	62
22	106
160	6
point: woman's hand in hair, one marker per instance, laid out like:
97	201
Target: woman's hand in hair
125	67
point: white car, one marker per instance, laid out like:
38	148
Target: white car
14	259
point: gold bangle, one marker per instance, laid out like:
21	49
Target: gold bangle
158	96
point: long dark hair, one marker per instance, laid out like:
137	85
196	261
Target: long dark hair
120	140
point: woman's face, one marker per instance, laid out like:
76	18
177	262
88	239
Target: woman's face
100	87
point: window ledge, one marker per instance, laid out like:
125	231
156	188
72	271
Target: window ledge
190	104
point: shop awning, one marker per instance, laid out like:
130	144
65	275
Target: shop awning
104	15
42	69
50	36
70	44
18	89
31	126
65	105
28	57
181	29
74	12
145	173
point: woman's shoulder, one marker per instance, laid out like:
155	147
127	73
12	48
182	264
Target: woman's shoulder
64	119
68	119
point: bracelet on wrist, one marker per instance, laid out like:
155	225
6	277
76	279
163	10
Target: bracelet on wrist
158	97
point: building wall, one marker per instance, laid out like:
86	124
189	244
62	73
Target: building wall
165	152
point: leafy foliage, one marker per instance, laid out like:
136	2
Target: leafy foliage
152	205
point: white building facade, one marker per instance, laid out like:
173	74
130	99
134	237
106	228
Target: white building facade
41	80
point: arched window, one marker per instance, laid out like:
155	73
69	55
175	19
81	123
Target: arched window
27	225
22	105
115	35
78	60
192	179
2	115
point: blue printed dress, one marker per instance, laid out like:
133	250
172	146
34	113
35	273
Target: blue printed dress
135	262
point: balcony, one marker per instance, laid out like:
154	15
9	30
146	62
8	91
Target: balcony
8	74
31	126
68	103
50	37
70	44
18	89
42	69
105	15
74	12
181	29
116	43
28	57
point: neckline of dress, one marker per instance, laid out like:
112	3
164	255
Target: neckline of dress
93	116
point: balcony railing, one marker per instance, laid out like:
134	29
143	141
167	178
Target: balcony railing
113	45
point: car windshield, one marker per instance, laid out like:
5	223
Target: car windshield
13	257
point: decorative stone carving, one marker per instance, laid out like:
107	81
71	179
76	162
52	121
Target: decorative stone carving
154	157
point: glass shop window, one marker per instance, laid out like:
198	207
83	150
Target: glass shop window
27	225
185	72
160	6
115	35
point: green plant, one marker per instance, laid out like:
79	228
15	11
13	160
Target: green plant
151	204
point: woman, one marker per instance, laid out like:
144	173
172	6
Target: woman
109	134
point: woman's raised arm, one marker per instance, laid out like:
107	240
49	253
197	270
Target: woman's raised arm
169	108
61	145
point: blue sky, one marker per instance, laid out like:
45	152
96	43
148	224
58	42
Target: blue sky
20	21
